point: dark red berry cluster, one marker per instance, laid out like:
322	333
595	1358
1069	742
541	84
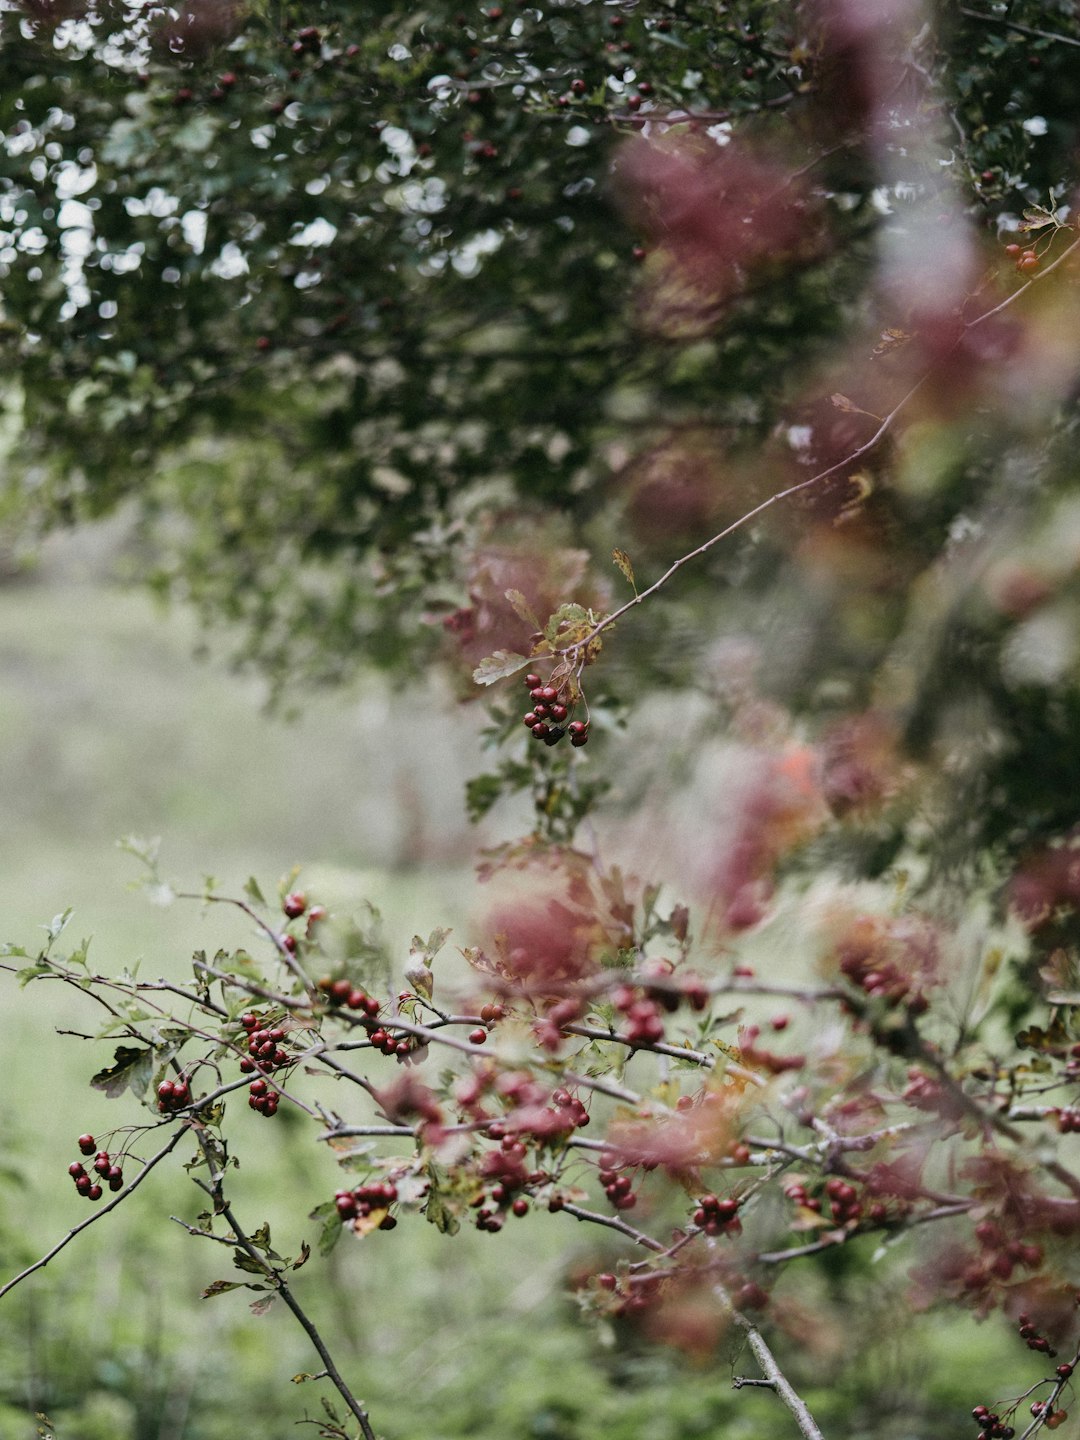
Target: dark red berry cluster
262	1098
1025	260
103	1166
344	992
506	1168
571	1109
881	979
551	708
265	1052
715	1216
844	1200
991	1425
1053	1419
1031	1336
359	1203
1068	1122
173	1095
619	1189
1003	1253
308	40
391	1044
644	1025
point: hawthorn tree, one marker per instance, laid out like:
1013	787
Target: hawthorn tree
457	336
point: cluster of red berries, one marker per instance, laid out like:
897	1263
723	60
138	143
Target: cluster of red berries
1068	1122
549	713
1027	262
715	1216
264	1046
103	1166
644	1025
1004	1255
573	1111
359	1203
1035	1341
173	1095
844	1200
1053	1419
307	40
506	1167
391	1044
344	992
991	1426
619	1189
262	1098
881	979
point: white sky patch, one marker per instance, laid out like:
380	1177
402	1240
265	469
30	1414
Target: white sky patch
193	226
319	232
1035	125
466	259
231	263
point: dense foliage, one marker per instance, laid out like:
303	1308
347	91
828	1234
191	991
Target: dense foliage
392	331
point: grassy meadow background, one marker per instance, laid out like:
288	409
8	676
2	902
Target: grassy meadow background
111	727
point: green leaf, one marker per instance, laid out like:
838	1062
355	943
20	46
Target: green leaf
252	891
131	1069
499	666
32	972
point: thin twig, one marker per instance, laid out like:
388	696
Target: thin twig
612	1222
776	1379
857	454
281	1286
1006	24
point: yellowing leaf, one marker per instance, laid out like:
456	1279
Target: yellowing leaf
622	560
498	666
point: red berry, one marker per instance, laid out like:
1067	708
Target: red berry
87	1144
531	718
578	87
478	1036
75	1170
533	682
288	942
95	1192
294	904
1028	262
520	1206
